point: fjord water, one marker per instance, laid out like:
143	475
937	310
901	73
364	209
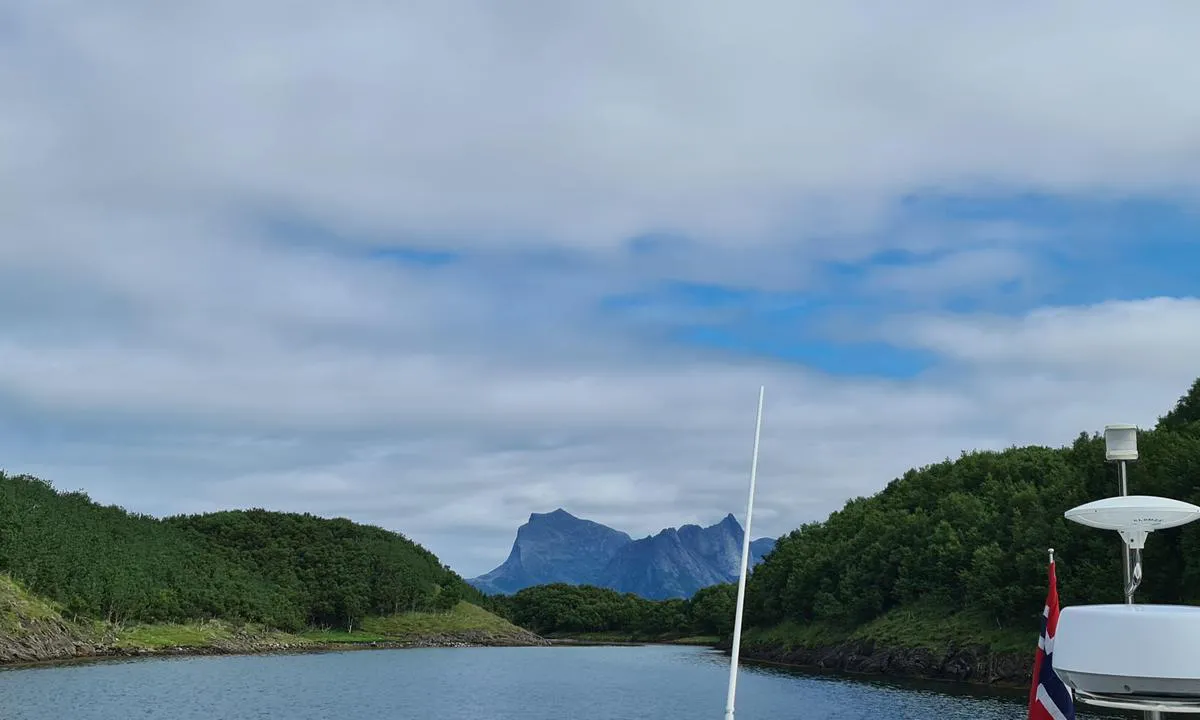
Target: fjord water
559	683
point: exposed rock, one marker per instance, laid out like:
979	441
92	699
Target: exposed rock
56	640
559	547
554	547
57	646
41	640
677	563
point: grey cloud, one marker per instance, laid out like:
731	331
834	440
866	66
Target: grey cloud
590	125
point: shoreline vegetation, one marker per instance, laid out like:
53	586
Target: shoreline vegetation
920	642
82	580
940	575
923	641
33	631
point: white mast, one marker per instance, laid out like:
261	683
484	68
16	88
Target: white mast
741	591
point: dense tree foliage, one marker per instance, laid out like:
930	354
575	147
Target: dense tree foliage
332	571
972	534
287	570
562	609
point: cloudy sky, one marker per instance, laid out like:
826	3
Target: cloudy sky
439	265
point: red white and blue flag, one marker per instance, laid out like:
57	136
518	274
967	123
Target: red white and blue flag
1049	697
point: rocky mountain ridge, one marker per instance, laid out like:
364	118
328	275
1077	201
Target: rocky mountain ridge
558	547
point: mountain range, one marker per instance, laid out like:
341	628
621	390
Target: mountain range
557	547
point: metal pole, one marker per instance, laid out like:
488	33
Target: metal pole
1127	559
1127	556
741	591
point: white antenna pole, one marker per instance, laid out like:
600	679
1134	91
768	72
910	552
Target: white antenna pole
741	591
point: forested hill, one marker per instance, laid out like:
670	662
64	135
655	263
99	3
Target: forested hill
284	570
971	535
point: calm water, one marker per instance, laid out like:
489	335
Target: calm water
591	683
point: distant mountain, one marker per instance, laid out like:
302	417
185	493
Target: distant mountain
554	547
675	563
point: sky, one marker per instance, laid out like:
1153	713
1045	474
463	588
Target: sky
437	266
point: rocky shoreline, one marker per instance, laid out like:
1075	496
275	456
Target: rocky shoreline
970	664
55	642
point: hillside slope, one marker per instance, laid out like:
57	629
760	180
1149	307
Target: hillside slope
32	629
284	570
943	572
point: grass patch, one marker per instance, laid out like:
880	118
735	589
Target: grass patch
925	627
409	626
173	635
464	618
19	608
911	627
790	635
213	633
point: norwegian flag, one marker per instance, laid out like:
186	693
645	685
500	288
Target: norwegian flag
1049	697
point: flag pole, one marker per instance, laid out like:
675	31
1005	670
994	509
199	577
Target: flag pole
741	591
1049	696
1069	690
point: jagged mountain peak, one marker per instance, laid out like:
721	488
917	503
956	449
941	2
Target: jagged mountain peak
554	547
556	514
557	546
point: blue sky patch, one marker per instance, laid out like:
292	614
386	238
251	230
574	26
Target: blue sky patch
1078	252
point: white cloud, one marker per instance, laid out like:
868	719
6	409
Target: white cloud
162	346
1105	340
589	124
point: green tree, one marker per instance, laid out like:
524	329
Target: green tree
283	569
972	533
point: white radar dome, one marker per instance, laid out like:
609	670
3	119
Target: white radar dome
1130	650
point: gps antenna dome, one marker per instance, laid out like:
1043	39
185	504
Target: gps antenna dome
1134	516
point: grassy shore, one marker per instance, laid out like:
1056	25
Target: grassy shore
921	641
915	627
33	629
466	623
19	607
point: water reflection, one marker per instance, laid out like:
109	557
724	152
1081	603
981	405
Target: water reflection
629	683
1012	699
